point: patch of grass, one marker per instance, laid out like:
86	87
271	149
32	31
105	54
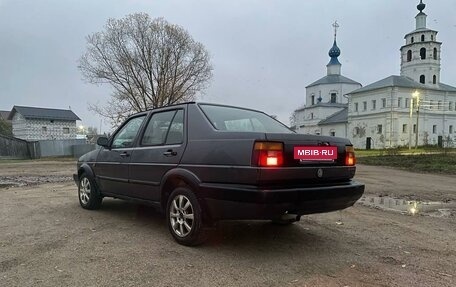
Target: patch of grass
430	163
371	152
403	151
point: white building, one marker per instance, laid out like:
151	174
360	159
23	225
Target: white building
379	113
325	112
32	124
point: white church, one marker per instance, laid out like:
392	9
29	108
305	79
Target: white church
381	114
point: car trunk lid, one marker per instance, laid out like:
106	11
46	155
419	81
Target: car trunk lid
292	141
298	171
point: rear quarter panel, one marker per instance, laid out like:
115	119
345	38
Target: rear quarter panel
218	156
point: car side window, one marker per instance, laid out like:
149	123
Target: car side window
125	137
158	127
176	130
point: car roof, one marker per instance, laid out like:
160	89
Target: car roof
195	103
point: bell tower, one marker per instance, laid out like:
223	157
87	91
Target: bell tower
420	56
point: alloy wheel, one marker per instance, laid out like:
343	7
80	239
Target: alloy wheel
181	215
84	190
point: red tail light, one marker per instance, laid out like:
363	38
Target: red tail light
350	158
268	154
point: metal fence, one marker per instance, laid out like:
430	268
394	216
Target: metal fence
14	148
50	148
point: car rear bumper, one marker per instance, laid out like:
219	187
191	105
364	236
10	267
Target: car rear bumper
241	202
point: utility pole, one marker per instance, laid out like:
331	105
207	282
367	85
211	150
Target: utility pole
417	96
410	124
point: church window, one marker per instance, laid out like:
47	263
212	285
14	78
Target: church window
333	97
435	54
432	37
317	132
311	116
409	55
434	79
434	129
450	129
374	104
422	79
332	133
356	131
399	102
356	107
439	105
312	99
431	104
422	38
364	106
384	103
407	102
423	53
379	129
414	128
450	106
404	128
413	39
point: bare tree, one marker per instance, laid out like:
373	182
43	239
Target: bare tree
149	63
293	119
5	128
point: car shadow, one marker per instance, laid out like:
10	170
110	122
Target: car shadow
248	237
129	210
254	234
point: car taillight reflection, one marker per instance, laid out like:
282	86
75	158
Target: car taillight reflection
350	158
268	154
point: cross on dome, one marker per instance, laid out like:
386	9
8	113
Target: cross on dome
334	52
336	26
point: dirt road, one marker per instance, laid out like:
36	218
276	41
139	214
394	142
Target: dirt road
46	239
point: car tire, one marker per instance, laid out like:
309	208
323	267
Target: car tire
88	194
184	217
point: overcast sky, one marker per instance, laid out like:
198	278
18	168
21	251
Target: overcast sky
264	52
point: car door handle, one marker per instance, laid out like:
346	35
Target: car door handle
124	154
170	152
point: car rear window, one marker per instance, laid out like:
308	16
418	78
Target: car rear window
242	120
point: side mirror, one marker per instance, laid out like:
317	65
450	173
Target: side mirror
103	141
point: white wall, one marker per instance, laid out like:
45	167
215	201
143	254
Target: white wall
32	129
304	117
325	92
340	130
393	117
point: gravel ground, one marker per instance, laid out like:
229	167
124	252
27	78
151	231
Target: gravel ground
46	239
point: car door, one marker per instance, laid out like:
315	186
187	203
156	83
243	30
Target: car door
111	168
159	150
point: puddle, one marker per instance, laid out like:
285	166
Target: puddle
412	207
